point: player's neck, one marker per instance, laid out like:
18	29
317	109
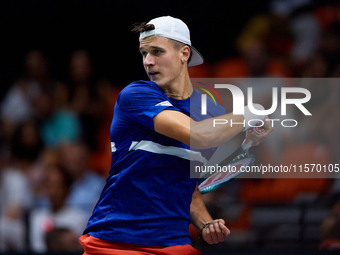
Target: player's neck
180	88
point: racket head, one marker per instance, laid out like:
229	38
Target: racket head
234	164
209	182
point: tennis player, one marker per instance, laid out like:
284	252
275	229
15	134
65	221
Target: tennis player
149	199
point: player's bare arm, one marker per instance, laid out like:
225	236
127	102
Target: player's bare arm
201	134
213	231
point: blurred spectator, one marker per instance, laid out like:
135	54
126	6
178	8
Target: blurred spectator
100	159
325	62
17	105
79	94
48	157
87	185
330	230
290	32
17	186
317	67
27	145
58	215
255	62
306	31
63	240
272	29
330	47
81	83
57	125
15	200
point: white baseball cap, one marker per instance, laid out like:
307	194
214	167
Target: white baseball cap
175	29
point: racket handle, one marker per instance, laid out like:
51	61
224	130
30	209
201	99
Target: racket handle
257	130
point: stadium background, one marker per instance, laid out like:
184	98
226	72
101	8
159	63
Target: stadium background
102	29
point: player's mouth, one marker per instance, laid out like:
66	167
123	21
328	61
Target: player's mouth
153	74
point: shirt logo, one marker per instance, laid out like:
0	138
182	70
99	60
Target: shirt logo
113	147
164	103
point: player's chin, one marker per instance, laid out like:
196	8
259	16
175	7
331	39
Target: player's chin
158	82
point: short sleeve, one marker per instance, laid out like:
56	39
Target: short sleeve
143	100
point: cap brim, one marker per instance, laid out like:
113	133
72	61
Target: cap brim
196	57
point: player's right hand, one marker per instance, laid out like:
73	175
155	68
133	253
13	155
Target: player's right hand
251	135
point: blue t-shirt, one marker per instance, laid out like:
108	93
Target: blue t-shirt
147	196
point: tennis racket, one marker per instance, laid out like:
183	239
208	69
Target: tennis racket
228	169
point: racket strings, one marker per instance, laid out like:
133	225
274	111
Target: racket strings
228	161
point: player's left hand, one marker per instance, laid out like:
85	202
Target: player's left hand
256	139
215	232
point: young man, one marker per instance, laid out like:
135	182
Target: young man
149	198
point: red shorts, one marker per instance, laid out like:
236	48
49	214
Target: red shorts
95	246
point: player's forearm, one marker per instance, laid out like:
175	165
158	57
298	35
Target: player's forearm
198	211
212	133
198	134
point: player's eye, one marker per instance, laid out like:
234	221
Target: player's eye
158	51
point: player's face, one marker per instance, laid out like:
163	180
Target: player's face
162	62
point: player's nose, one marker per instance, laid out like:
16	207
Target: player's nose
148	60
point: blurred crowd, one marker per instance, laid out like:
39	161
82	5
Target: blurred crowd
55	145
55	154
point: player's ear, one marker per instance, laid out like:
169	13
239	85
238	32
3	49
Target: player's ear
185	53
